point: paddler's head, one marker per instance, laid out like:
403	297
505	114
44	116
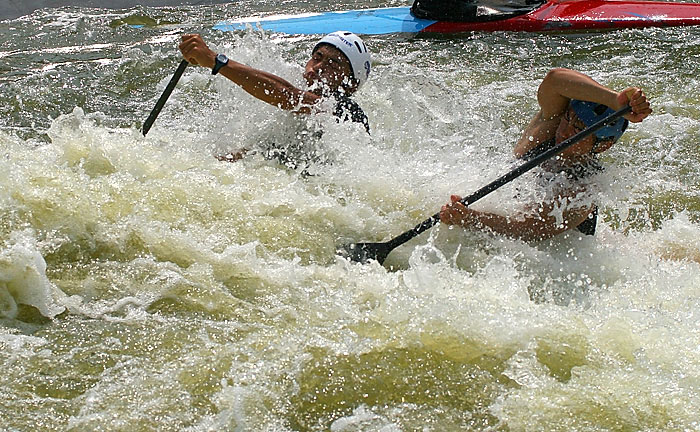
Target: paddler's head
582	114
339	62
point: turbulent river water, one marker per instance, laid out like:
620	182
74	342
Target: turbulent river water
145	285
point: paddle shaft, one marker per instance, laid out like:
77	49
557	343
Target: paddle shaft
164	97
506	178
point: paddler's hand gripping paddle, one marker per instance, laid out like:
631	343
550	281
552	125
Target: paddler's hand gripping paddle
363	252
164	97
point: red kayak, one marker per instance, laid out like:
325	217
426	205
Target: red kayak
483	15
585	15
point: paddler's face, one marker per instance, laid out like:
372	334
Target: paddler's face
328	68
569	126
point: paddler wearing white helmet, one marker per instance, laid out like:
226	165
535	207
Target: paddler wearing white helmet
340	63
355	55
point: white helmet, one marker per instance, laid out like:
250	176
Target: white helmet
354	49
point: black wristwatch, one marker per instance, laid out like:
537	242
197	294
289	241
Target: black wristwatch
220	61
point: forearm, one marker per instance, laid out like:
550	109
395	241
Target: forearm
526	229
561	85
268	87
262	85
537	225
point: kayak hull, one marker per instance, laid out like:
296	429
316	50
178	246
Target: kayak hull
555	15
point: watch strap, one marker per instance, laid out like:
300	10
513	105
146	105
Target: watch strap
219	62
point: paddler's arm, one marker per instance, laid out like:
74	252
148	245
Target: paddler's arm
555	92
561	85
539	225
260	84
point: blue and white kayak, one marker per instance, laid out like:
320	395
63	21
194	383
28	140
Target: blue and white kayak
363	21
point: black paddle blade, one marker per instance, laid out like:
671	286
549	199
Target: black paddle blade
364	252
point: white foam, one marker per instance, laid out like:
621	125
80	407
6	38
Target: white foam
23	278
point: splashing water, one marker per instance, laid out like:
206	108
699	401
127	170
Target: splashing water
145	285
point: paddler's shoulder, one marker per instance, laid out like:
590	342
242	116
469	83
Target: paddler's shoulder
347	109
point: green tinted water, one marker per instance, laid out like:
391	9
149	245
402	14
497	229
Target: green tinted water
144	285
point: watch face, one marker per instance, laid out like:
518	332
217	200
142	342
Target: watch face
220	58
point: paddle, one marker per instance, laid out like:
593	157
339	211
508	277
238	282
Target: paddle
164	97
363	252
